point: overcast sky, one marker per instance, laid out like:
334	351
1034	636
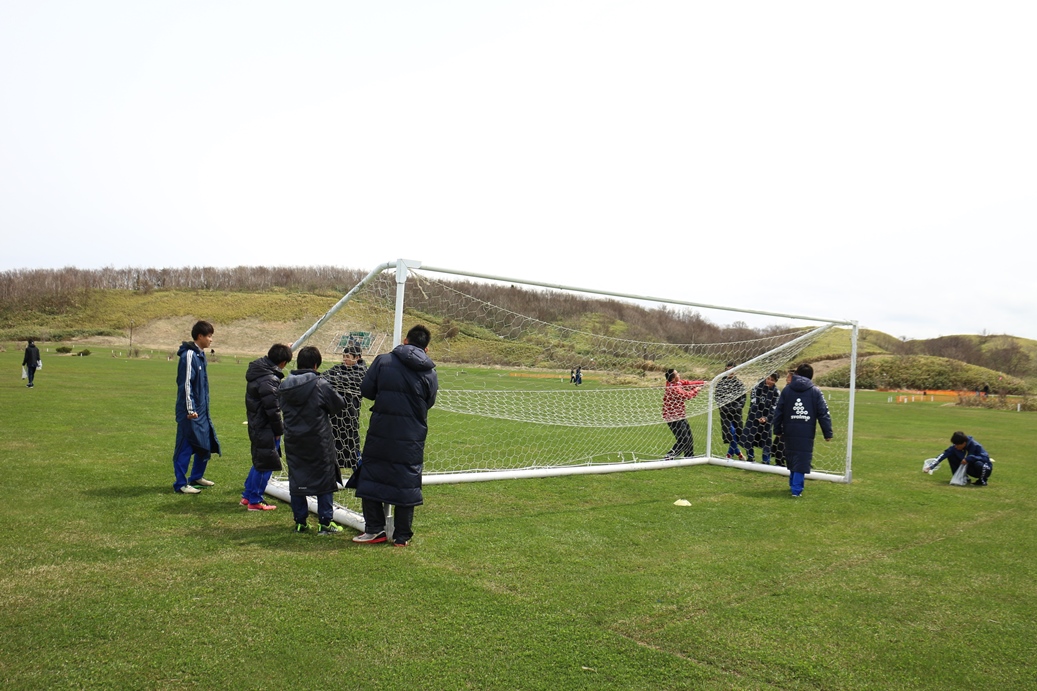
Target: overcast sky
868	161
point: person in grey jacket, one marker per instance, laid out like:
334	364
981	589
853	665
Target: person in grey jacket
307	402
403	385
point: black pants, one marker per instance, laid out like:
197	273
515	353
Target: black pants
685	445
31	369
374	520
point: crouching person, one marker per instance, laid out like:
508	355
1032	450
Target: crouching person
965	449
307	401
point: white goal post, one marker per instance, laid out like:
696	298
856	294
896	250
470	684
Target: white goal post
507	352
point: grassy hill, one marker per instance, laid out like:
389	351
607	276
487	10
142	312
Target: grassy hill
158	320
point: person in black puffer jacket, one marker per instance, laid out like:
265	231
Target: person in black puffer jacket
307	401
403	385
265	426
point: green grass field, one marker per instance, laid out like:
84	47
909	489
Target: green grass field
109	580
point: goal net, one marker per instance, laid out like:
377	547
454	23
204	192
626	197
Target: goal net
539	380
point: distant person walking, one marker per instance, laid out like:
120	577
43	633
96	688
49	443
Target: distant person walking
801	408
579	376
195	433
31	361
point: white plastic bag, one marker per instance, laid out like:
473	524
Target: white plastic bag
959	478
25	372
39	364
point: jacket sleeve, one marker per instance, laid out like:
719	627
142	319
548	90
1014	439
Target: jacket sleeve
187	363
268	402
975	452
779	417
688	389
331	401
823	416
432	382
369	386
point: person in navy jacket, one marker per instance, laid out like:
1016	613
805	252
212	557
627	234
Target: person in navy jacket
403	385
801	408
757	430
965	449
195	434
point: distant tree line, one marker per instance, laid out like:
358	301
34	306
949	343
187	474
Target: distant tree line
999	353
53	291
662	324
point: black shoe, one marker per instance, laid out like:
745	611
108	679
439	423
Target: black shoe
980	483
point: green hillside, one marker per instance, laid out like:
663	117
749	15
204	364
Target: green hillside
249	321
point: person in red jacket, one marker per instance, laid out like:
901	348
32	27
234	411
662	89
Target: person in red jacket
678	391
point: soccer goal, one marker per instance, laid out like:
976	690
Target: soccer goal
507	352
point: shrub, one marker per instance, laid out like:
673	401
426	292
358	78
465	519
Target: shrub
84	352
64	350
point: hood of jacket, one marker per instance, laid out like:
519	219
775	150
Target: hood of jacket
298	388
413	358
801	383
263	367
188	345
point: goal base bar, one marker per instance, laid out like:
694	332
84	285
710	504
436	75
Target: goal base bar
451	478
278	488
775	469
486	476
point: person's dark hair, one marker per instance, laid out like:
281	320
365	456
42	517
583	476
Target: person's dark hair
419	336
729	365
805	370
309	358
202	328
774	375
279	353
670	374
959	438
354	349
32	342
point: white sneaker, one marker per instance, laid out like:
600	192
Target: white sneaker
187	489
203	482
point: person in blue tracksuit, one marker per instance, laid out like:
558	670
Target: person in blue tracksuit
965	449
757	430
801	408
195	434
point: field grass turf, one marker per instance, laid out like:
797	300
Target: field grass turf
109	580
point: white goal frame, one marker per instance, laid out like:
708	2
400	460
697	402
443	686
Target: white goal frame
403	268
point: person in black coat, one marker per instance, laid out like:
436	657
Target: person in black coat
31	361
730	392
801	408
757	431
307	401
265	426
403	385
